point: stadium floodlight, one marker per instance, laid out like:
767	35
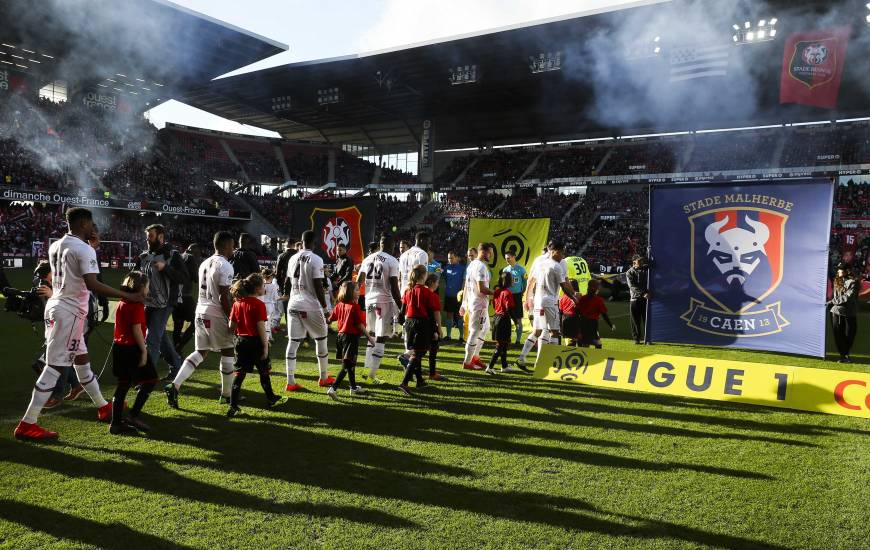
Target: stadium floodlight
463	74
280	104
763	32
545	62
328	96
657	38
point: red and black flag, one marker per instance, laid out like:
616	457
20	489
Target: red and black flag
812	67
350	222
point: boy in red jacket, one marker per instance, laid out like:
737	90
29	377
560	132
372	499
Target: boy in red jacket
570	316
503	302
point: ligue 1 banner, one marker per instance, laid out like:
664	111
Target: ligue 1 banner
740	266
812	67
349	222
524	237
818	390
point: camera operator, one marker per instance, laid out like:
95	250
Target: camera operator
166	274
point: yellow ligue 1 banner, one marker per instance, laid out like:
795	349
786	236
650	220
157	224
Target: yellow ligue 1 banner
525	237
817	390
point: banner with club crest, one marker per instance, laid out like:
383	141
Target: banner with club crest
740	265
350	222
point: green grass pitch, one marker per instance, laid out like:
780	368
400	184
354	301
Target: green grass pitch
477	462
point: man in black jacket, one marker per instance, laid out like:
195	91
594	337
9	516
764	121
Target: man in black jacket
184	312
244	260
638	278
166	274
343	271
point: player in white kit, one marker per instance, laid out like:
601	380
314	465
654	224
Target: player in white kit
305	311
211	320
549	274
380	273
475	302
74	272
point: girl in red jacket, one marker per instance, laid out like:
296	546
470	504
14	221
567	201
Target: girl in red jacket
503	302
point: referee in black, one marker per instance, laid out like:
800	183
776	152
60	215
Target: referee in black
638	280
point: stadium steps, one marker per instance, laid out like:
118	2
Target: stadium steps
531	167
259	224
591	236
419	216
604	160
574	206
470	165
779	149
279	154
229	151
687	156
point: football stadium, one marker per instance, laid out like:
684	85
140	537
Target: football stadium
592	280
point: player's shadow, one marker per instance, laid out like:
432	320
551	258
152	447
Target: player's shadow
149	473
112	536
619	402
346	465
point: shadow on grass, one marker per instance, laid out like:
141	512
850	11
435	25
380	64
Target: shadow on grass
345	465
112	536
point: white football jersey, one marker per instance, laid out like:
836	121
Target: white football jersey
549	276
410	259
305	270
271	293
472	297
378	269
214	272
71	259
536	262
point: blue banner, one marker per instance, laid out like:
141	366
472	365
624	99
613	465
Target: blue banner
740	265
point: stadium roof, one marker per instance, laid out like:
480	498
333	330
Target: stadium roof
153	41
385	96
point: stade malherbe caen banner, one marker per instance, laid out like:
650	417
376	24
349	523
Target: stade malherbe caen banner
123	204
348	222
740	265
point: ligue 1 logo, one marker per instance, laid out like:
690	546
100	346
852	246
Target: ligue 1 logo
737	258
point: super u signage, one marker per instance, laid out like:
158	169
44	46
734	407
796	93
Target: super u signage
818	390
741	266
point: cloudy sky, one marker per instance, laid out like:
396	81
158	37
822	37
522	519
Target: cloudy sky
316	29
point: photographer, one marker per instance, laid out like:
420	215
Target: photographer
166	274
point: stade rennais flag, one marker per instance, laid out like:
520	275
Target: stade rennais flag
350	222
740	265
525	237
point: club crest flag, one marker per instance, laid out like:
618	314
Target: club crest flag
337	222
740	266
812	67
525	237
